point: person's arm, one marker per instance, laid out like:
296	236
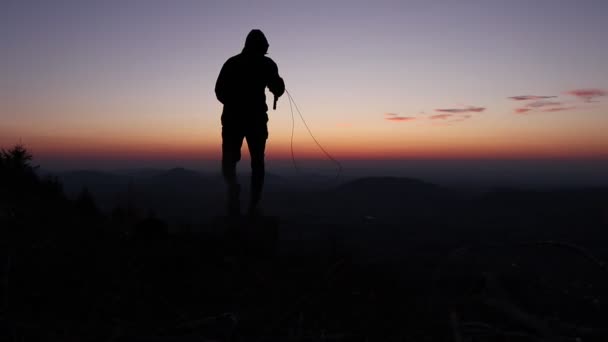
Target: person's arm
275	82
221	85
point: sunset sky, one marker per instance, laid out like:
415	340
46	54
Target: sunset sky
134	80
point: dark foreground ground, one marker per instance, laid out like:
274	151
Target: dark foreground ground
375	259
242	281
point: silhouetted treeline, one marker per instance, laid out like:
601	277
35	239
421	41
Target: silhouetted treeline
33	206
20	186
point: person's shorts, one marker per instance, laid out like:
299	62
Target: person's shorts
232	140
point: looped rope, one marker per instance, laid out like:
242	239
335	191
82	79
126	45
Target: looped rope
292	103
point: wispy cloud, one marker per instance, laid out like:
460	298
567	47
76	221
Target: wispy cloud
401	118
530	97
469	109
587	94
461	117
521	110
397	117
447	119
441	116
558	109
539	104
524	110
536	102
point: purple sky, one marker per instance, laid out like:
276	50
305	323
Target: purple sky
373	78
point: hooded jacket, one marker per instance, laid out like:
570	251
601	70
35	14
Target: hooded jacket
243	79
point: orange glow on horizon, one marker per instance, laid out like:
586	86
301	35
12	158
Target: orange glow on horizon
201	140
206	151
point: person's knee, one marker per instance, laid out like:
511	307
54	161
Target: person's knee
257	165
230	157
231	154
231	145
228	169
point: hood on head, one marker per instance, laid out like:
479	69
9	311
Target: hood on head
256	43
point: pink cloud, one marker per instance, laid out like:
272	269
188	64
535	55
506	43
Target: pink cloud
522	110
469	109
400	118
440	116
558	109
397	117
587	94
530	97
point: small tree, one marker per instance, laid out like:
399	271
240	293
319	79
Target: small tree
16	158
16	171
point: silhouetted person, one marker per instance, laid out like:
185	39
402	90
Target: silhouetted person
241	88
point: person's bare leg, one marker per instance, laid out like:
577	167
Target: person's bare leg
231	154
233	188
257	185
256	145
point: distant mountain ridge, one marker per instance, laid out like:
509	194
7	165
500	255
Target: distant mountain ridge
184	194
96	181
382	185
